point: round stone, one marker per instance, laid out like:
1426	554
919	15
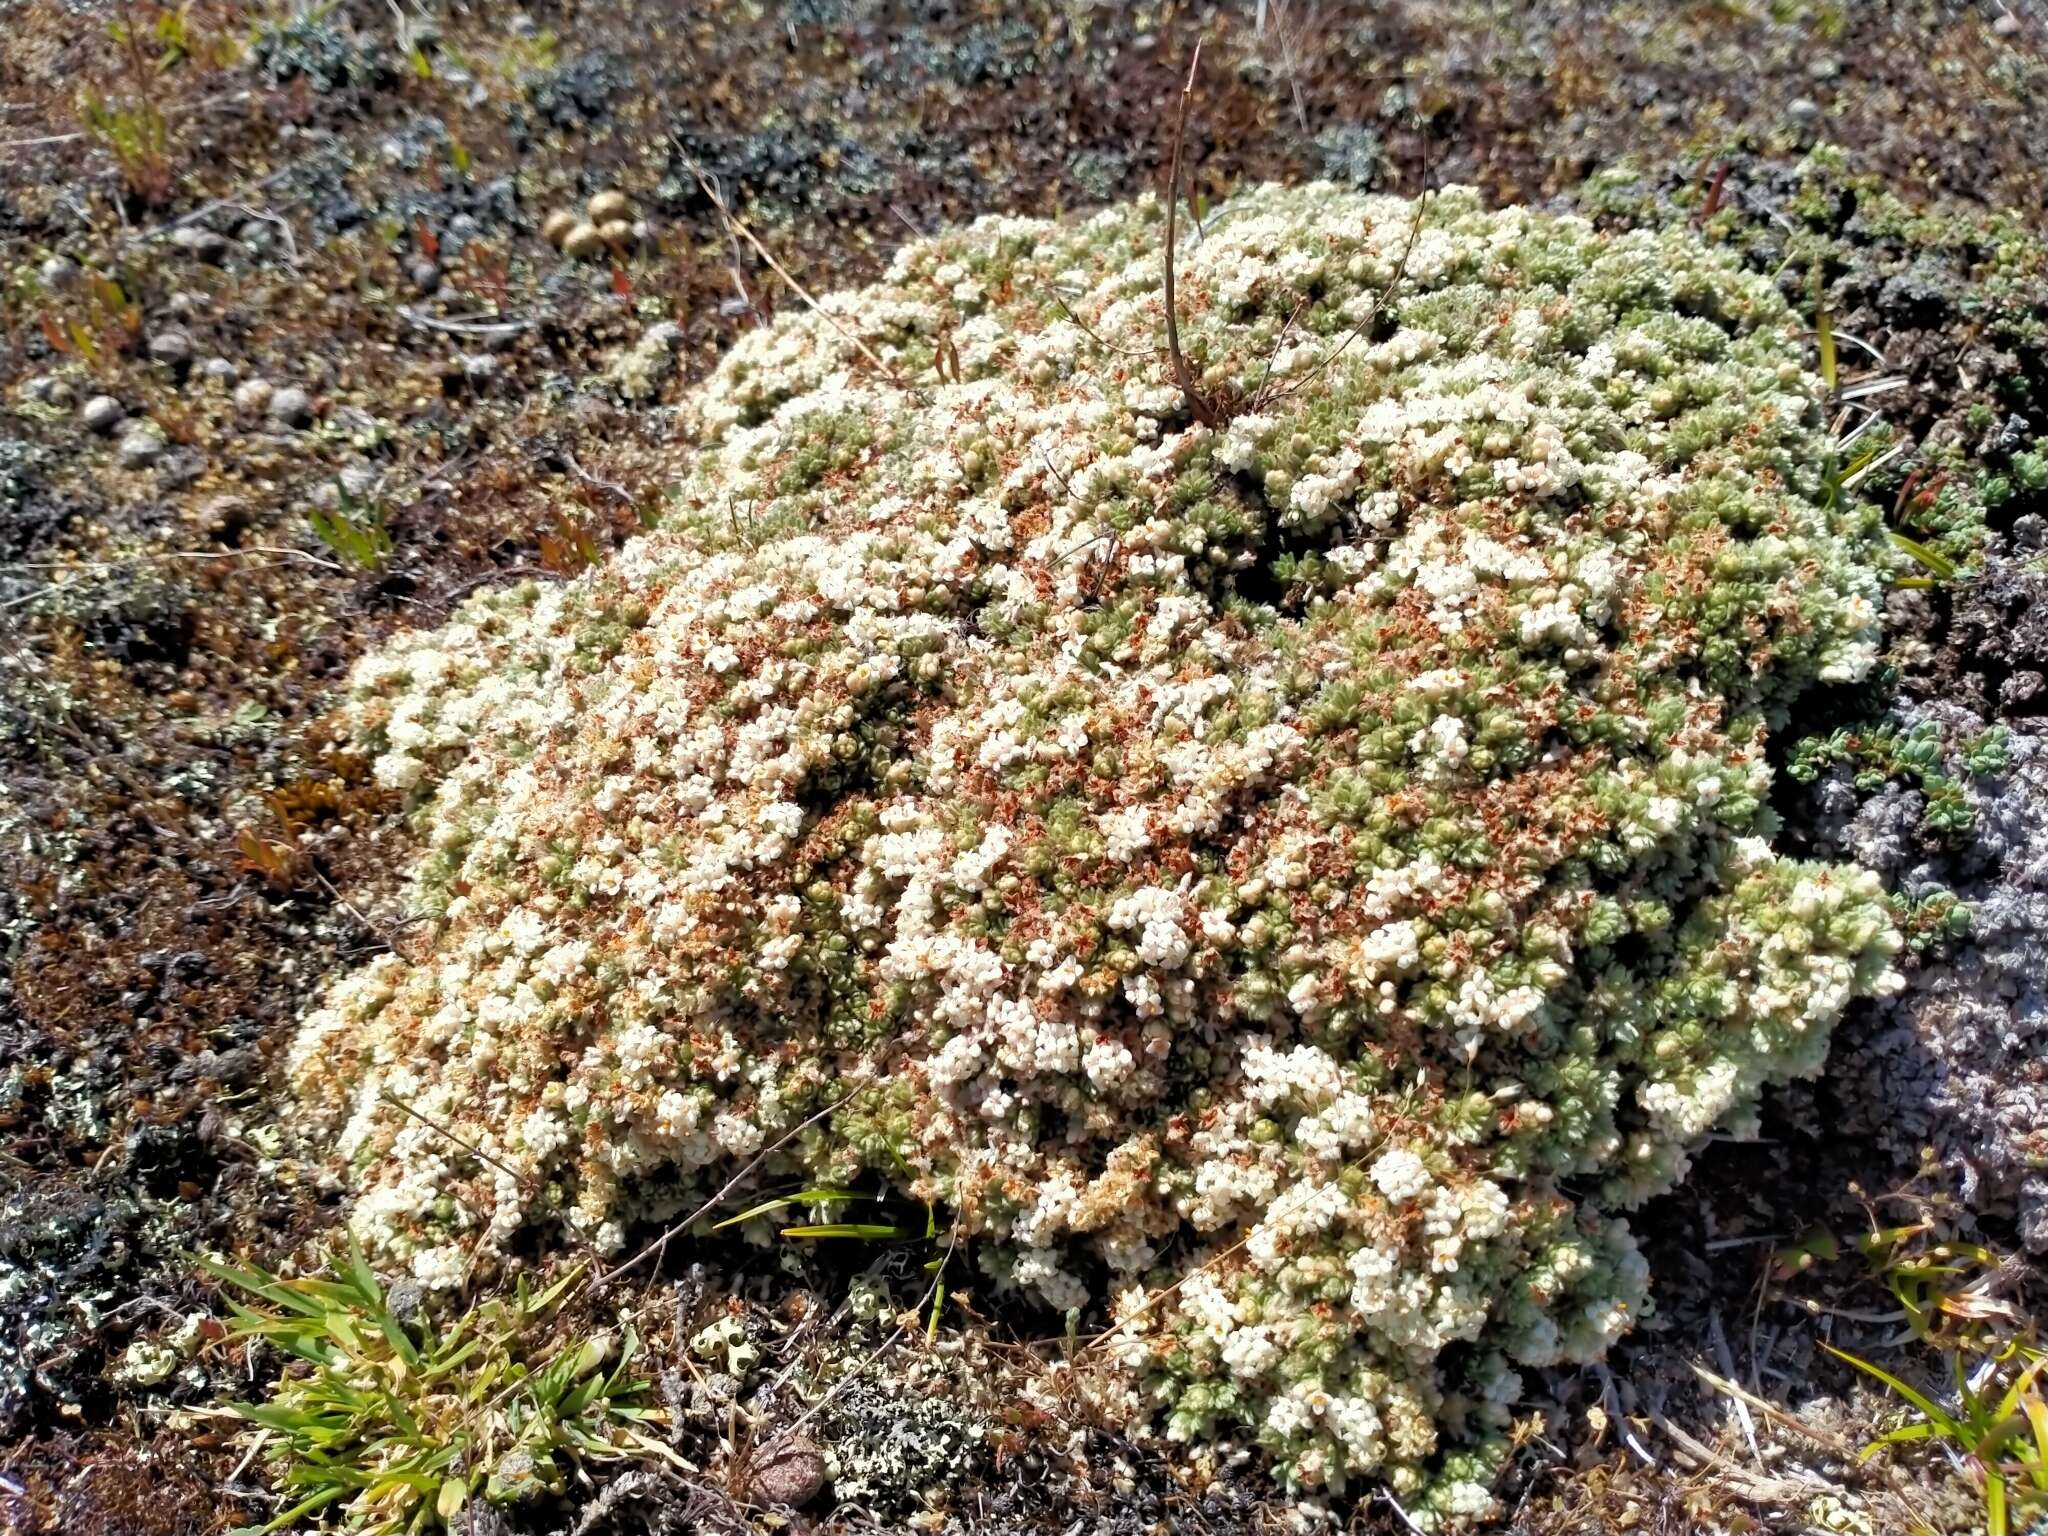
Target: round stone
171	349
252	397
101	414
140	448
791	1474
292	406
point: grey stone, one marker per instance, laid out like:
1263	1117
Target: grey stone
252	396
60	273
171	349
291	406
101	414
220	371
425	275
140	447
200	244
479	367
790	1474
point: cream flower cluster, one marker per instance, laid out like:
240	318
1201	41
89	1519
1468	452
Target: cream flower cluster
1308	857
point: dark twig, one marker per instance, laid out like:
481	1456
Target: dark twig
1379	300
1181	373
525	1180
1089	331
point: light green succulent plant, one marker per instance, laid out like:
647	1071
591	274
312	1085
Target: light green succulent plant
1288	880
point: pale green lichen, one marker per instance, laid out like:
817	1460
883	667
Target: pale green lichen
1286	881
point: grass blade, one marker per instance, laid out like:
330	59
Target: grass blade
1932	1411
867	1231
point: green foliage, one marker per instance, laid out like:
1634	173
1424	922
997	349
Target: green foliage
895	1230
1929	921
1993	1421
136	135
355	530
397	1423
1880	753
1998	1430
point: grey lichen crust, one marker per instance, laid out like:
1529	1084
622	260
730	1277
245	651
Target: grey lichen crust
1287	881
1953	1062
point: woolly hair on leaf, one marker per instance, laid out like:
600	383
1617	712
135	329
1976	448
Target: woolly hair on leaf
1317	863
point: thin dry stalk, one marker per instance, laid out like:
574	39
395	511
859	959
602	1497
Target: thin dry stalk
660	1244
1379	301
1089	331
525	1180
1181	373
734	226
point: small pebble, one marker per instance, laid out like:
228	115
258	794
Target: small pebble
556	227
791	1474
426	276
224	518
607	206
171	349
2006	25
101	414
59	272
200	244
219	370
583	242
257	235
291	405
47	389
358	480
140	448
462	229
479	367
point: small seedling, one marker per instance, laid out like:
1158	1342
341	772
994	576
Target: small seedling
399	1423
355	529
1998	1430
894	1230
